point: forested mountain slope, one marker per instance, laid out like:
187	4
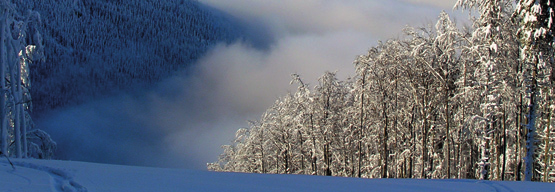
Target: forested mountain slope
95	47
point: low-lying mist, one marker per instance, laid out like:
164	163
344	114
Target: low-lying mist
185	118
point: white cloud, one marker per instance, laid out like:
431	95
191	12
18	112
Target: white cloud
444	4
248	78
378	18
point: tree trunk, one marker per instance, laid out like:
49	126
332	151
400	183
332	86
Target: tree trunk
546	156
14	86
3	54
360	132
413	143
313	155
447	151
385	153
531	125
425	131
484	159
520	130
504	152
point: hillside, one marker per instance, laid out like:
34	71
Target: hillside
98	47
42	175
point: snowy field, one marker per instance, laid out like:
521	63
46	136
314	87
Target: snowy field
42	175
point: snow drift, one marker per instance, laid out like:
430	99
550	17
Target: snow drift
49	175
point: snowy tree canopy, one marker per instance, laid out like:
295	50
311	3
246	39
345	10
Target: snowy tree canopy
440	102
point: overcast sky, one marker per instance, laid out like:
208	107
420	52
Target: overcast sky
185	119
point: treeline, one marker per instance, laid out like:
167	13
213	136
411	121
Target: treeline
440	102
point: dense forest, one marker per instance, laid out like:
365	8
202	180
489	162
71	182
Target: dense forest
97	47
441	101
65	52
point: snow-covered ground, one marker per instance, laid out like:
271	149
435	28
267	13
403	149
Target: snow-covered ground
42	175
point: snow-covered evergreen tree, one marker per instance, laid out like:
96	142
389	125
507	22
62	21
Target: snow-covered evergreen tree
536	34
20	46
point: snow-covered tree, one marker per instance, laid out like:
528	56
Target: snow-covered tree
536	34
493	46
440	102
20	46
447	46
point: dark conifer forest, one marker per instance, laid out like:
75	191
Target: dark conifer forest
99	47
